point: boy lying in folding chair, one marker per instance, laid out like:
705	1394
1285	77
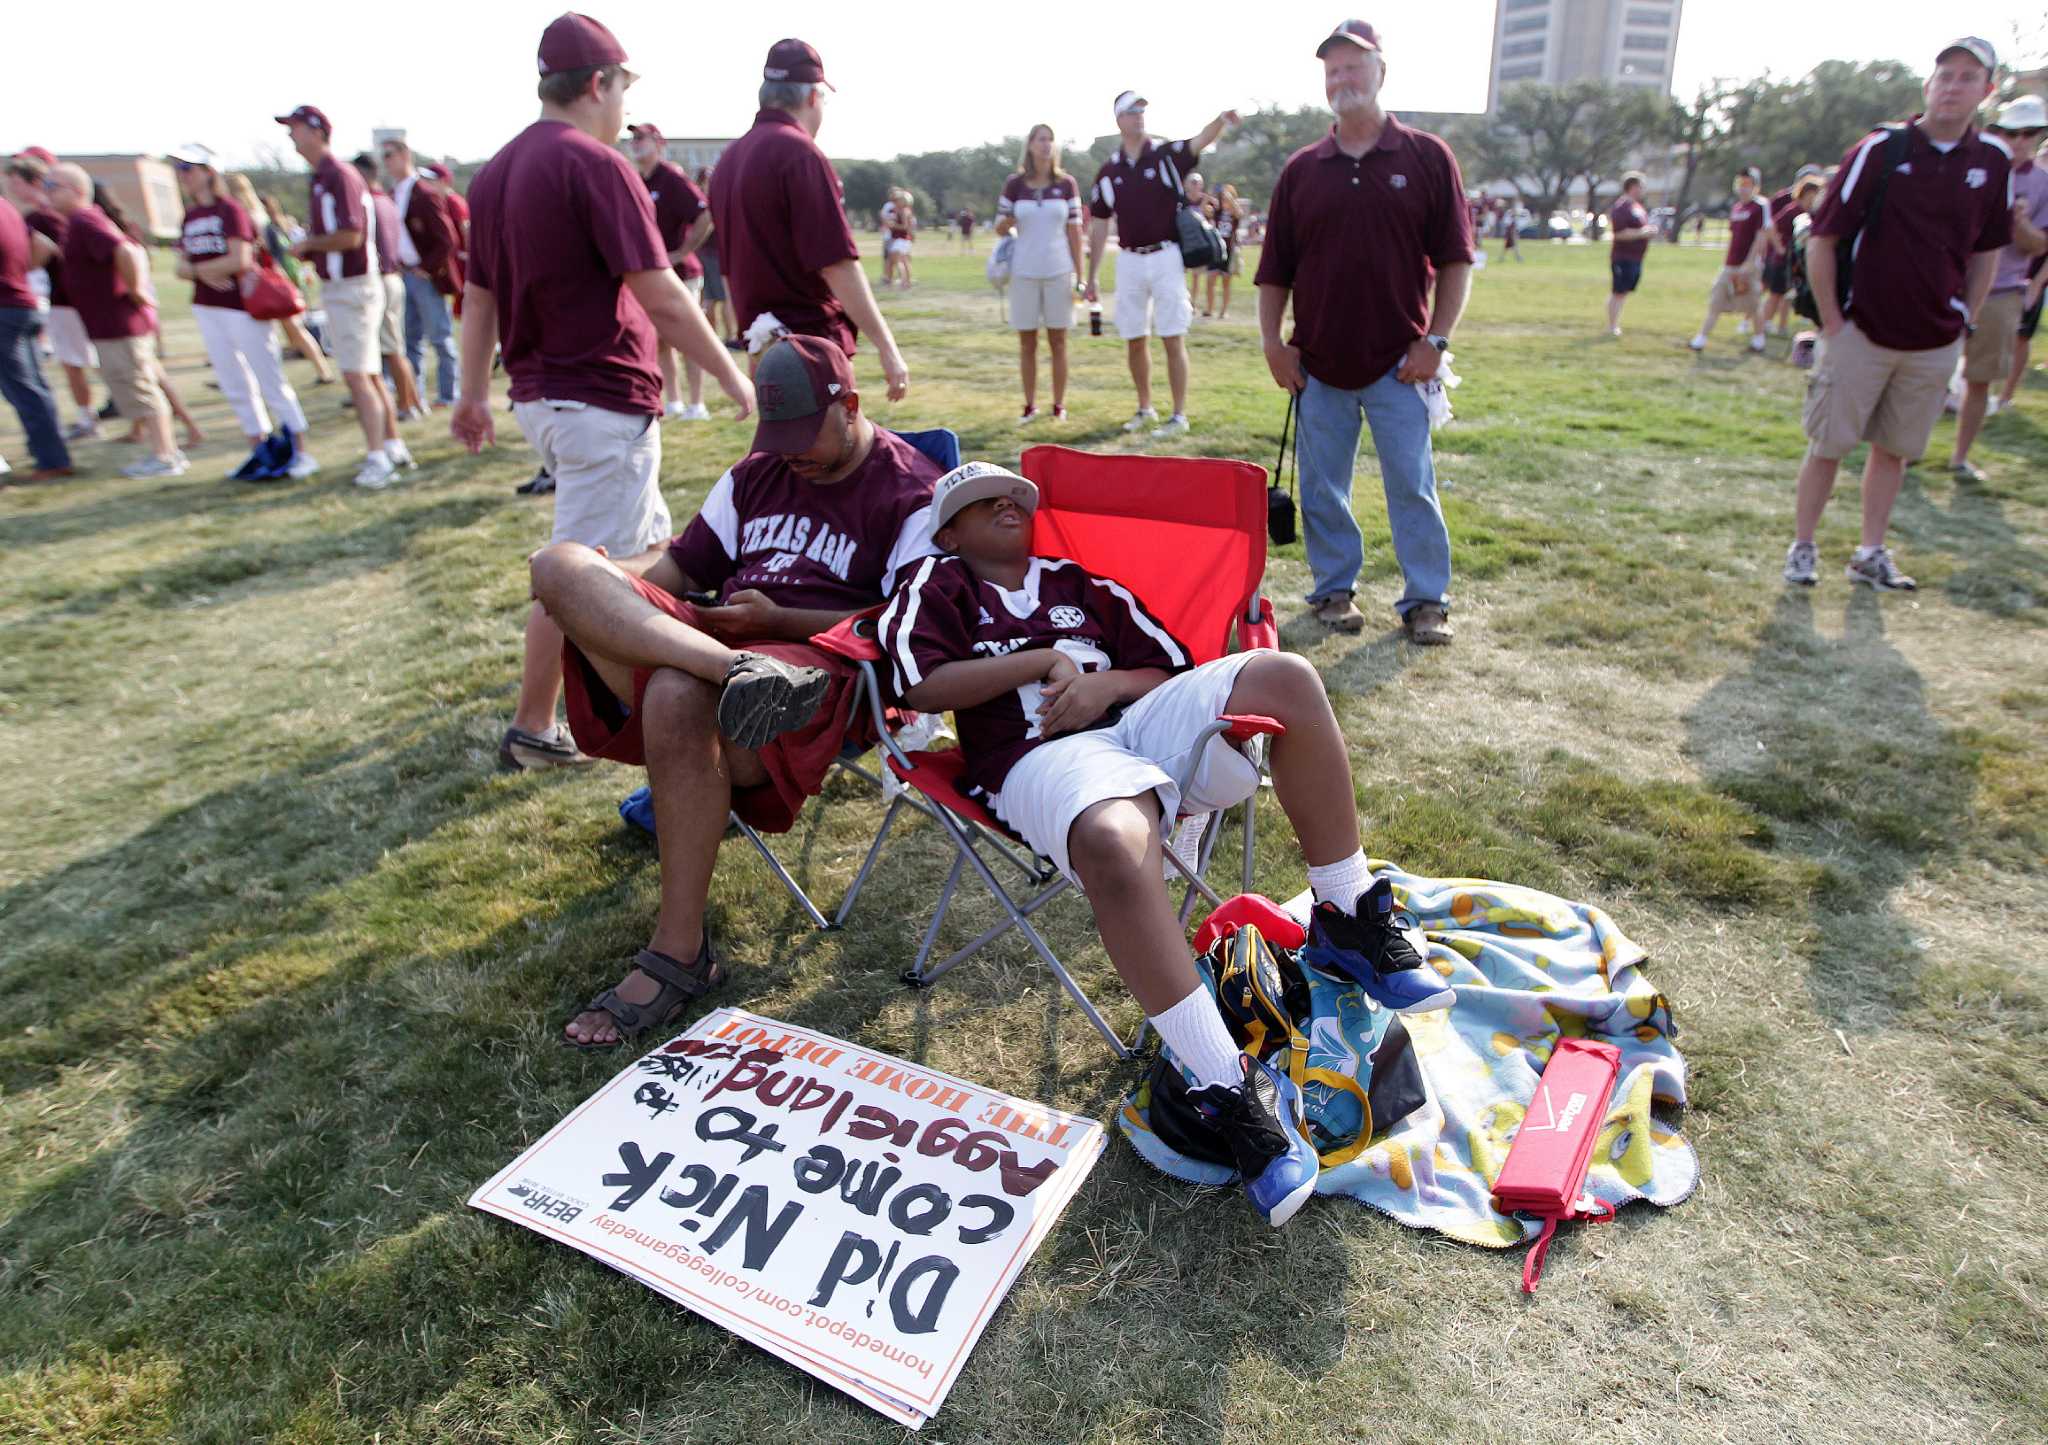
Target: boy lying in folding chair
1076	712
724	698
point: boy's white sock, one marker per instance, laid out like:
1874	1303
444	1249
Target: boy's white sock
1340	882
1194	1030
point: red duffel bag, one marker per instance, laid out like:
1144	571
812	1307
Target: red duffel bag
267	293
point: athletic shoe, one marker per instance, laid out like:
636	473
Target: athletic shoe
1144	417
695	411
1756	343
400	455
1615	332
1174	426
1742	327
1261	1120
172	466
674	409
765	697
1059	413
1698	343
537	485
1879	571
376	472
522	751
303	464
1030	415
1802	564
1967	471
1367	947
85	429
1339	613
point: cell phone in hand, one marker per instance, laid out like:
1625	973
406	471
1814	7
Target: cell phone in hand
701	599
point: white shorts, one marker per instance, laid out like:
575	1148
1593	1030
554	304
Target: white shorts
896	246
391	330
606	466
1152	294
1144	751
355	314
68	339
1042	301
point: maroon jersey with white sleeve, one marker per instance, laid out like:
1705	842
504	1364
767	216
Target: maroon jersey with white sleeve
840	546
942	613
1745	219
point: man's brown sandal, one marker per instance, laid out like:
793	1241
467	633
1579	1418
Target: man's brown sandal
680	984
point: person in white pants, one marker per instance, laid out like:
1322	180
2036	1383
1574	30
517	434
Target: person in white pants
217	244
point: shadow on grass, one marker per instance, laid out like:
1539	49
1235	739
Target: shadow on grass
1834	741
1996	573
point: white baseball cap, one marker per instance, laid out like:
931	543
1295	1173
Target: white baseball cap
2024	112
194	154
1129	101
977	482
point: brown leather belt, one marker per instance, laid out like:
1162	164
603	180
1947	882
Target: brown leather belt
1144	250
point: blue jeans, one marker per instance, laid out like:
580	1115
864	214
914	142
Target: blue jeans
427	321
21	382
1329	426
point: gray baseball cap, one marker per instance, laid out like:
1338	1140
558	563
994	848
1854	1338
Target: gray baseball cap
977	482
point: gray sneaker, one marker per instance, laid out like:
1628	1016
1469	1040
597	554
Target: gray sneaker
1802	563
765	697
521	751
1879	571
172	466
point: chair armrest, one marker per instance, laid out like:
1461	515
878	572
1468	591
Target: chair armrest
1243	727
852	638
1261	633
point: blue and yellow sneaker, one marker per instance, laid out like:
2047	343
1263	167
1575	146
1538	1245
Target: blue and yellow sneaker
1261	1120
1367	947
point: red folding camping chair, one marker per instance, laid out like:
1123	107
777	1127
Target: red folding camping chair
1188	536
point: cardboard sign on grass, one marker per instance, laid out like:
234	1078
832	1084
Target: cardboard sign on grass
853	1214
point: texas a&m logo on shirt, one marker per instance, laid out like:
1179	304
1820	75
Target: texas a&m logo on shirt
791	535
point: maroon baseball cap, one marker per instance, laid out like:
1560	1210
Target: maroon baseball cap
796	61
576	42
438	171
38	153
311	115
647	130
798	377
1350	32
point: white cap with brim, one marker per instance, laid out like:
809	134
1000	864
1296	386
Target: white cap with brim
977	482
193	154
2024	112
1129	101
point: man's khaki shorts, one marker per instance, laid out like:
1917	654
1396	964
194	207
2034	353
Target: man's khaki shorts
391	330
128	367
607	468
355	314
1987	355
1859	391
1724	298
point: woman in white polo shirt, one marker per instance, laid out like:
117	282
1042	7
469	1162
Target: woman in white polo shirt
1041	205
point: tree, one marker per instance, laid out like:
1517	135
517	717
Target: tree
1780	125
1699	129
1538	134
1616	123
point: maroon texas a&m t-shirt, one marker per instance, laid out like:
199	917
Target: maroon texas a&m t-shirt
51	227
677	205
780	218
1940	208
205	236
15	294
340	202
1628	215
1745	219
556	219
943	613
1143	194
110	311
801	544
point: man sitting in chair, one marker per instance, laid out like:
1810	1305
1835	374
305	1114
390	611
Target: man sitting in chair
811	528
1077	714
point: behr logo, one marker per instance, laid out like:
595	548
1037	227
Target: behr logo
1066	617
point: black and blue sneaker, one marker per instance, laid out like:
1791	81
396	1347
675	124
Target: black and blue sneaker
1261	1121
1367	947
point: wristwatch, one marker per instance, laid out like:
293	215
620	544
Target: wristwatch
1441	343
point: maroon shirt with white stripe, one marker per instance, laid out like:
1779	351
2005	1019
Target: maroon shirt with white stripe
1745	220
205	236
1939	210
340	202
1143	194
677	205
942	613
840	546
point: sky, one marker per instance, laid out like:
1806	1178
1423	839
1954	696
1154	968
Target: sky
912	74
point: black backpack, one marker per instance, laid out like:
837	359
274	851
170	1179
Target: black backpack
1201	244
1889	155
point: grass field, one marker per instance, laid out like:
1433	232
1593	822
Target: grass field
283	956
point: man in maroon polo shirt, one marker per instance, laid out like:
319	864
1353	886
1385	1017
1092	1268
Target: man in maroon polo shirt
567	274
1141	186
683	217
784	245
1920	274
1739	287
814	525
341	244
1361	225
1630	227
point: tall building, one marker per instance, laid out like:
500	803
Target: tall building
1556	42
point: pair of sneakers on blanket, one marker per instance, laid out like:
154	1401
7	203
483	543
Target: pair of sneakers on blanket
1079	715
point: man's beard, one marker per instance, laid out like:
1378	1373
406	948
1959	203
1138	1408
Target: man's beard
1348	99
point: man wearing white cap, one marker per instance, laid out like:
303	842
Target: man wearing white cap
1987	355
1141	186
1923	261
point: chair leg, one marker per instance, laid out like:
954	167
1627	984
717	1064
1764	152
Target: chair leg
867	864
997	930
795	889
916	977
